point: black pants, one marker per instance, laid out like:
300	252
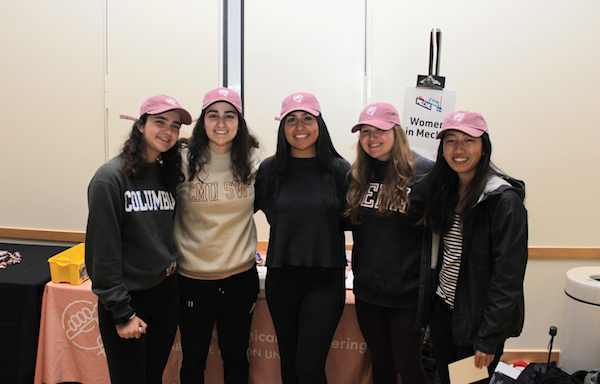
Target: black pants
306	304
444	349
393	342
143	360
230	303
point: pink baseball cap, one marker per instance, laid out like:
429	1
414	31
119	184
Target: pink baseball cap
301	101
162	103
471	123
222	94
380	115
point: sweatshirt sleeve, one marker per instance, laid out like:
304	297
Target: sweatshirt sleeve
103	251
344	184
509	251
260	186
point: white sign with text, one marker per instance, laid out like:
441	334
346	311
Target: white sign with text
424	112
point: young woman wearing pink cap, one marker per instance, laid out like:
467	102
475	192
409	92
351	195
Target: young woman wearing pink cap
302	192
385	201
478	214
216	236
129	252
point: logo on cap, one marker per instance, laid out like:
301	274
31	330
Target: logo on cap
297	98
458	116
224	92
171	101
371	110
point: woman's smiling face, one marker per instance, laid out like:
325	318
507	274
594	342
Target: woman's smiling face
221	126
301	132
462	152
160	133
377	143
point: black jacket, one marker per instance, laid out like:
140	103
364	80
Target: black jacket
489	304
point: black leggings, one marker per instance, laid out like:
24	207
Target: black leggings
230	303
143	360
394	343
306	304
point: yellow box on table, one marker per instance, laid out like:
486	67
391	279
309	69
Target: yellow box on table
69	266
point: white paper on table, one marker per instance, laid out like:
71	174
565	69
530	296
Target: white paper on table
350	280
464	371
508	370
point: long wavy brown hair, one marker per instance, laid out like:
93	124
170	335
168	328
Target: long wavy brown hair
399	175
133	154
241	150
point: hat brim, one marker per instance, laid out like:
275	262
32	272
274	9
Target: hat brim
312	111
237	107
380	124
186	118
468	130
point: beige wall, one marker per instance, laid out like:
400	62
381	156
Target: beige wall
52	100
69	68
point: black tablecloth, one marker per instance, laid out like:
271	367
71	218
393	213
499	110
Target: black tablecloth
21	289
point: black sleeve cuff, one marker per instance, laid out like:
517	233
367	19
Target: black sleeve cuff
123	319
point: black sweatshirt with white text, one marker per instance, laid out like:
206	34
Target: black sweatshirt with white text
387	249
129	237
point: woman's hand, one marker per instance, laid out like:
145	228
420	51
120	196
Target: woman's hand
133	329
483	359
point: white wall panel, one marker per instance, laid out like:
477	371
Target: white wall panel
527	66
312	46
55	56
51	93
160	47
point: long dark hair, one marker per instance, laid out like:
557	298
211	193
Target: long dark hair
400	174
443	189
133	154
241	150
329	162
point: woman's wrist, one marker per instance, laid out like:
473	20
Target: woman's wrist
124	319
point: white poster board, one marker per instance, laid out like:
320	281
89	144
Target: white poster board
424	112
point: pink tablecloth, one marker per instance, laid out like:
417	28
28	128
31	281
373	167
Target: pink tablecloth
70	348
